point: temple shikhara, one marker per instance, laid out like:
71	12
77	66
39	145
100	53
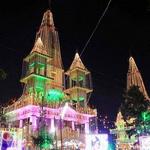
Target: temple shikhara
134	78
52	97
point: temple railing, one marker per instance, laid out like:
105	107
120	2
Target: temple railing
86	110
25	100
21	102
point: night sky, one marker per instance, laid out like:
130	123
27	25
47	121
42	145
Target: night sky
124	29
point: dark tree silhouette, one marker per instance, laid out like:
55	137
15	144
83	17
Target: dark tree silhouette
133	108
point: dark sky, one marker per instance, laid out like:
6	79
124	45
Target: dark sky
124	28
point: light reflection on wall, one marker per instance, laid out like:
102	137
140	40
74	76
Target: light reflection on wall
96	142
144	142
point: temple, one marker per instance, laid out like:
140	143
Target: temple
134	77
60	97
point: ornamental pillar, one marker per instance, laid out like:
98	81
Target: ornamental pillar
52	125
87	127
33	121
73	128
20	123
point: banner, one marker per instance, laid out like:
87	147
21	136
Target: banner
10	139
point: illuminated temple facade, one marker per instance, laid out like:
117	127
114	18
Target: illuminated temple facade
134	77
52	93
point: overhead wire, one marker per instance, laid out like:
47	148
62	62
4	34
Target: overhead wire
94	30
89	39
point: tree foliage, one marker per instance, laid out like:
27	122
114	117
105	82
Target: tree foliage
133	108
44	140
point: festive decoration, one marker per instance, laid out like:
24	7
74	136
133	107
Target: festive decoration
136	99
132	108
78	82
11	138
55	95
105	124
144	142
129	122
123	141
43	140
46	105
143	125
134	78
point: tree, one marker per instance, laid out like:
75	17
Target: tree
44	140
132	109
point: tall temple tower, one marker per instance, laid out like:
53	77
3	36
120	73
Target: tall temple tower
134	77
42	69
49	37
79	86
35	71
44	97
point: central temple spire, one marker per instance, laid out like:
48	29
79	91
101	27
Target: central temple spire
49	37
48	19
134	77
42	68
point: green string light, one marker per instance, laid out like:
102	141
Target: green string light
54	95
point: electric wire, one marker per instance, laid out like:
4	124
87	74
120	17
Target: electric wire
88	41
94	30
